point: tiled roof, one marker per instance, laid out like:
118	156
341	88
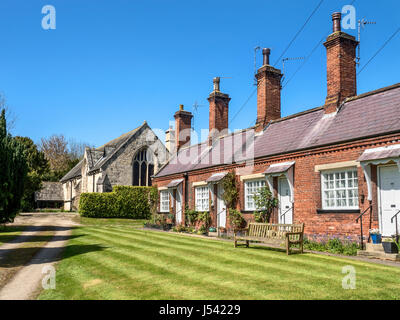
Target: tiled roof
105	152
392	151
99	156
174	183
217	177
51	191
371	114
75	172
279	167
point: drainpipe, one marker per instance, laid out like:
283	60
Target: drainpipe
186	191
70	200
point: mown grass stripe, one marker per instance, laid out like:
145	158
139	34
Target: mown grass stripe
199	262
277	257
298	258
144	269
143	264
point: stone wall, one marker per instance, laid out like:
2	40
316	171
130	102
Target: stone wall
120	169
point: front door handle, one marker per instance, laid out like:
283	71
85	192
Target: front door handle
393	206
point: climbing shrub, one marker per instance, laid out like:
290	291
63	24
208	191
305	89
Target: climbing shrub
265	203
231	192
205	219
123	202
191	216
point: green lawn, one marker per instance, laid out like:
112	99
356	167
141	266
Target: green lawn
107	260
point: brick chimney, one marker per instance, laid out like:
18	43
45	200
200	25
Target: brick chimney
219	107
183	127
268	92
341	66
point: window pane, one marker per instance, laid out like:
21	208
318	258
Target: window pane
340	189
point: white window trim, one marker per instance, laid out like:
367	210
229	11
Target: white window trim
336	166
246	208
206	207
338	170
255	176
161	200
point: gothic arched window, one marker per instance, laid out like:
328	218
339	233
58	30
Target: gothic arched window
143	168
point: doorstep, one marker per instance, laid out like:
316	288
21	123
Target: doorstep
375	251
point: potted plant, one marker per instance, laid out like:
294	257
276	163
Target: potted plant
375	236
389	246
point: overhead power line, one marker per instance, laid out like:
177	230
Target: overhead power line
310	54
304	62
299	31
244	104
379	50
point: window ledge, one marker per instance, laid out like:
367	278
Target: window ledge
324	211
247	211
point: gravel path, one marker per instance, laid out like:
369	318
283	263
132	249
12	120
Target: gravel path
27	282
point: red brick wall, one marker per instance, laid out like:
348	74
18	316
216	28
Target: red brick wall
219	109
268	95
341	69
307	187
183	125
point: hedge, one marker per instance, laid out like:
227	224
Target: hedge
123	202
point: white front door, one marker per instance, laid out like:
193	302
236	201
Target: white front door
221	208
178	207
285	205
389	186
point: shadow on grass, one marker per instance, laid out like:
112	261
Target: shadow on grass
32	250
21	256
36	238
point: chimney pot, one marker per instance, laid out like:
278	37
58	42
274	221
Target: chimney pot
216	82
336	18
266	52
181	107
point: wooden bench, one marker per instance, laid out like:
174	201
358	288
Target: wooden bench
291	234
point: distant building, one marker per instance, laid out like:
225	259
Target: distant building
129	160
50	196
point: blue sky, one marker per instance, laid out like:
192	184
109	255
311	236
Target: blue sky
110	65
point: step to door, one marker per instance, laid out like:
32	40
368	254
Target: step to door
379	255
372	247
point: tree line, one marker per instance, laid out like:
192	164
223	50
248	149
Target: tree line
24	165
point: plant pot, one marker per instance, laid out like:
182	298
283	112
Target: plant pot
376	238
390	247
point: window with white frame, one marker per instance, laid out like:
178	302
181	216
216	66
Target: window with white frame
202	198
251	188
340	189
164	201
